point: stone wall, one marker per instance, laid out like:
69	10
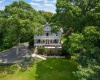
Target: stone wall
53	52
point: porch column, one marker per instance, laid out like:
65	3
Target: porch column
35	40
60	41
49	41
52	41
45	41
41	41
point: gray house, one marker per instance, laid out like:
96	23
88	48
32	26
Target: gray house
48	39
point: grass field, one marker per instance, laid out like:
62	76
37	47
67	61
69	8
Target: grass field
50	69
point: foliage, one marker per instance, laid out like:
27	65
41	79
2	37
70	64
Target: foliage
75	42
31	42
53	52
76	14
21	16
83	40
41	50
47	15
85	46
6	64
18	22
2	29
89	68
7	69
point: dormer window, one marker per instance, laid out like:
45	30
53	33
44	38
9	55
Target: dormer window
48	28
38	34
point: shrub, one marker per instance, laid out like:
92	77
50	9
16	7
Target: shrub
6	64
31	44
41	50
54	52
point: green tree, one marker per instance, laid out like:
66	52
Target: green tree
77	14
22	20
47	15
86	47
80	20
3	27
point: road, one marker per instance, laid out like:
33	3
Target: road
11	56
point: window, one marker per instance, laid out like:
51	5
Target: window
56	41
38	41
56	34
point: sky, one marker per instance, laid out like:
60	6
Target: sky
46	5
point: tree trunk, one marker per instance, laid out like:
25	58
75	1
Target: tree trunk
17	48
18	43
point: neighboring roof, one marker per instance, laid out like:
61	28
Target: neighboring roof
61	30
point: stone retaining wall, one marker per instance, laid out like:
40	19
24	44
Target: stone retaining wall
53	52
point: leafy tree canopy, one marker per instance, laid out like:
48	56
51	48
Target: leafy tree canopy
47	15
77	14
19	21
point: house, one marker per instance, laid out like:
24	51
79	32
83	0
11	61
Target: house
48	39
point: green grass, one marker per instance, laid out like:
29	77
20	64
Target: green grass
50	69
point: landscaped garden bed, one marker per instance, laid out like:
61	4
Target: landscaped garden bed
50	51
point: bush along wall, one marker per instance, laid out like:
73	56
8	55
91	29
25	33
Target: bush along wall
41	50
50	51
53	52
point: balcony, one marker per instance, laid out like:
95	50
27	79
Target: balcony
47	37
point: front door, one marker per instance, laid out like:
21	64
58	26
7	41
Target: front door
47	41
47	34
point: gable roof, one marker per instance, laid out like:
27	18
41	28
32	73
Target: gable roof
47	24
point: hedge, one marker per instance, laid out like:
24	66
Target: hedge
41	50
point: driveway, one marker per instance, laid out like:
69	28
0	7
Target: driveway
11	56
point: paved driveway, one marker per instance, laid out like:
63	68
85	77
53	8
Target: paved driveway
10	54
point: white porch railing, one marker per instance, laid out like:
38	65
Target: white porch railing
59	45
47	37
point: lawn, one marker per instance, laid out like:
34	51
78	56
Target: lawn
50	69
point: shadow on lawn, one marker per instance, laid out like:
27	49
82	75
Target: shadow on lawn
10	69
56	69
5	70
